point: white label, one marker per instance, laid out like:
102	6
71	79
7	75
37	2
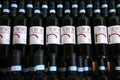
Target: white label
102	68
68	35
74	6
59	6
83	35
16	68
29	6
89	5
0	5
45	6
39	67
114	34
73	68
36	35
67	11
118	5
86	68
100	34
19	34
53	68
53	35
80	69
14	5
117	68
104	6
4	34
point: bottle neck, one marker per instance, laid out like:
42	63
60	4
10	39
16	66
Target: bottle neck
37	12
112	12
52	12
21	11
6	11
67	12
97	12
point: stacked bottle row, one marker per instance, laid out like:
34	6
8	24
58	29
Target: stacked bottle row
43	33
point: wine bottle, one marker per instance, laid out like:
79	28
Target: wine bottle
16	67
39	69
86	70
5	29
104	8
36	35
52	30
45	8
80	67
14	7
72	67
83	32
13	13
61	67
52	74
116	75
100	32
74	10
102	70
89	8
118	7
20	29
29	8
68	39
1	6
25	68
59	9
113	31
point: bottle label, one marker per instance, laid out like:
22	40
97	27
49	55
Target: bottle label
104	6
117	68
83	35
74	6
53	35
80	69
37	11
0	5
14	5
89	6
29	6
39	67
73	68
85	68
68	35
22	10
112	10
118	5
114	34
59	6
6	10
52	11
19	34
100	34
82	11
45	6
36	35
67	11
102	68
52	68
97	11
16	68
4	34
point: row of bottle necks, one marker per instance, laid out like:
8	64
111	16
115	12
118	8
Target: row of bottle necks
74	68
100	31
75	7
